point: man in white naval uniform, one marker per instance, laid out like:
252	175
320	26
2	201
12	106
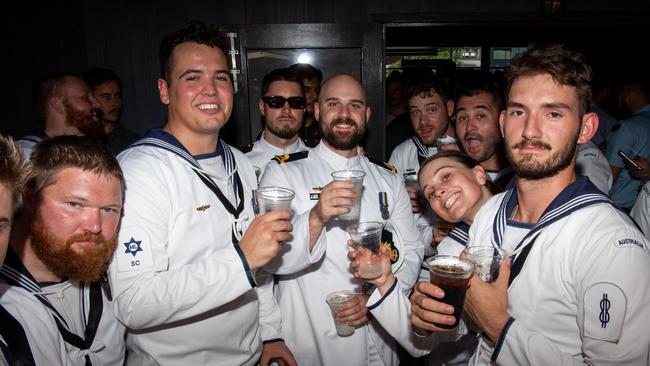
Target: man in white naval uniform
314	263
60	247
573	293
478	105
429	109
65	106
185	279
16	342
282	106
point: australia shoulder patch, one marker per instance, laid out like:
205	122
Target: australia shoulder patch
384	165
387	241
284	158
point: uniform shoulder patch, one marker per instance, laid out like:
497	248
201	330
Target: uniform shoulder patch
389	243
248	148
281	159
605	306
384	165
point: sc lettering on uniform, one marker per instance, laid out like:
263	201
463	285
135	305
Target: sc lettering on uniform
134	256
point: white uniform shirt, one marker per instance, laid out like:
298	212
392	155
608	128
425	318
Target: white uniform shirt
393	312
592	163
27	143
74	308
180	285
307	324
582	294
641	210
405	159
262	151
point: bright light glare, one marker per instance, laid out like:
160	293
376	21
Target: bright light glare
304	58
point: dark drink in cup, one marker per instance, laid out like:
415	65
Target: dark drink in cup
451	274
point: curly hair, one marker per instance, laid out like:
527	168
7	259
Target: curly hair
427	87
194	31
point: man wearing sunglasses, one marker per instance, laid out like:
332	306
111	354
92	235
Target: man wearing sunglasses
282	106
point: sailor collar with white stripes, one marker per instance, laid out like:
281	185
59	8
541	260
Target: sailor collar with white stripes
577	195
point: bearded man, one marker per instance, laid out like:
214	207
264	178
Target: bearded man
314	262
282	106
65	106
59	249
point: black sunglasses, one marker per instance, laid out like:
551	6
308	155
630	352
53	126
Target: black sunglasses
278	102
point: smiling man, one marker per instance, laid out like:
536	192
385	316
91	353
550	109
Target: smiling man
60	247
429	109
313	263
572	294
185	278
282	106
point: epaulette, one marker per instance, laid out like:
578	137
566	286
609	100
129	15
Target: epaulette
246	149
616	127
384	164
281	159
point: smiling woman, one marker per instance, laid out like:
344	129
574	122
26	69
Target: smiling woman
455	185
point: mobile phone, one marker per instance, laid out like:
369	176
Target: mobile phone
628	160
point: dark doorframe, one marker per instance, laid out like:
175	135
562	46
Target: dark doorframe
367	37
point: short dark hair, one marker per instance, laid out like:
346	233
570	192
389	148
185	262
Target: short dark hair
194	31
307	71
462	158
473	87
14	168
426	88
50	156
97	76
285	74
565	66
46	87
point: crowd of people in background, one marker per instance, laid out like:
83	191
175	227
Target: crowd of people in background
122	249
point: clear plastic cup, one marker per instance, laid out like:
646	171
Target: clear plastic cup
273	198
356	177
487	261
368	235
335	300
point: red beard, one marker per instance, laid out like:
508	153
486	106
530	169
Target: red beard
57	254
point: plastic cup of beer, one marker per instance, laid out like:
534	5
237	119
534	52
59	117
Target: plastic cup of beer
368	236
451	274
487	261
356	177
335	300
273	198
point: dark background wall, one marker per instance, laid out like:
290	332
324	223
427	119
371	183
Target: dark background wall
124	35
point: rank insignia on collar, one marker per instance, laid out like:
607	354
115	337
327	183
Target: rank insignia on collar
281	158
203	208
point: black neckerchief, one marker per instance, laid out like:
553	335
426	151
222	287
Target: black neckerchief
161	139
